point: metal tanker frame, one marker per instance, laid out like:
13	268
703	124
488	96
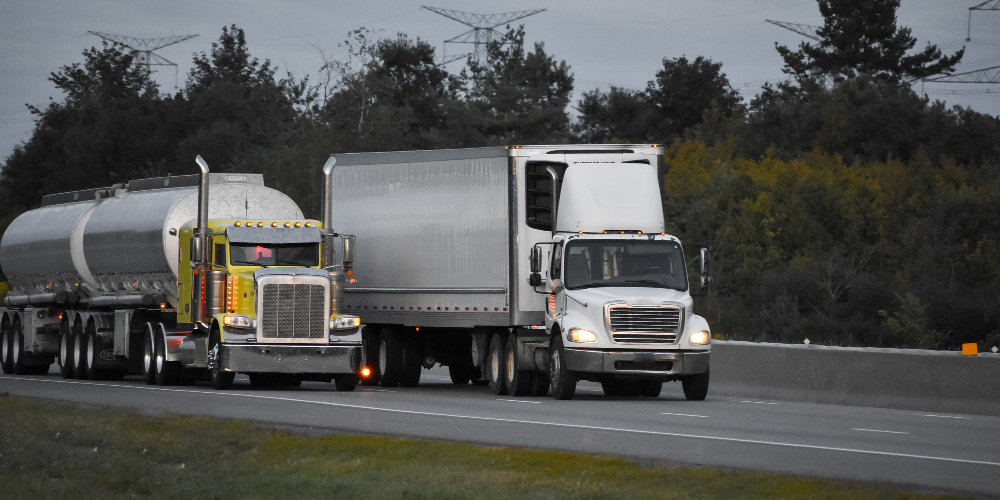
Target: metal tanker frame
133	279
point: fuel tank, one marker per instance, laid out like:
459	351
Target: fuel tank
122	241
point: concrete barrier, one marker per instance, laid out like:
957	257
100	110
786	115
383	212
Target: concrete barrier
933	381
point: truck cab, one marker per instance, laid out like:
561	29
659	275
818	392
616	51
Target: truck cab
618	306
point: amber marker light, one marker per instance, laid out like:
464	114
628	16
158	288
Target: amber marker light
288	224
274	224
260	224
365	372
237	224
298	224
350	272
309	224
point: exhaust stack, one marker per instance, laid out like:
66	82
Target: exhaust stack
199	242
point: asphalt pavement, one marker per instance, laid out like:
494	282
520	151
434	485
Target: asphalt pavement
925	450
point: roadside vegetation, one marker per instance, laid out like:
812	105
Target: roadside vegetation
840	205
57	451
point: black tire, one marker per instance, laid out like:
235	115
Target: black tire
116	375
221	379
92	352
695	386
66	368
650	388
167	372
17	354
413	360
5	349
79	352
460	374
540	384
621	388
563	380
518	383
148	356
259	380
390	358
496	368
370	344
345	382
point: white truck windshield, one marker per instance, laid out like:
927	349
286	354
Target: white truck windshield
260	254
642	263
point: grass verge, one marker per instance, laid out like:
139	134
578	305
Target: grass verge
56	451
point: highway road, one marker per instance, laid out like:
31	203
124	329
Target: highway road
922	449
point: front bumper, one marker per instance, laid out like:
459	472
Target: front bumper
641	364
329	359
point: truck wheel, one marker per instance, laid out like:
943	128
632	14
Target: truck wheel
650	388
540	384
413	359
93	354
390	358
621	388
167	372
496	365
5	349
696	386
460	374
148	356
518	383
79	346
65	352
16	353
345	382
370	344
221	380
563	380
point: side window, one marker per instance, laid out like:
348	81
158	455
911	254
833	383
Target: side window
538	193
220	254
556	271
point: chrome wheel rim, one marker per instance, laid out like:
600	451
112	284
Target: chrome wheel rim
63	350
147	356
90	352
382	355
16	349
494	364
5	348
510	366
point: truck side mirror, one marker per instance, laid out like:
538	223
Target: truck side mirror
536	260
348	250
535	279
703	265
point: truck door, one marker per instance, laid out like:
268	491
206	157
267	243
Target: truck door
555	299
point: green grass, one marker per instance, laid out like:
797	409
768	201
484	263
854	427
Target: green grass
59	451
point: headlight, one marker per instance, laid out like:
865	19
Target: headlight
581	335
238	321
702	337
344	322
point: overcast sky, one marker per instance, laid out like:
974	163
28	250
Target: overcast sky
605	43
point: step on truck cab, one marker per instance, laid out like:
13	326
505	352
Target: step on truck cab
464	267
178	279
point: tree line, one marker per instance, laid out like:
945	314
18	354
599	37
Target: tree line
840	205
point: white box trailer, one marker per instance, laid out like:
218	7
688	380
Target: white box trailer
447	274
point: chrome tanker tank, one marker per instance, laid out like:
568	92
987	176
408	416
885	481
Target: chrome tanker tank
121	241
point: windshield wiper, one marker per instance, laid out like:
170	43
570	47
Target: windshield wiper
651	282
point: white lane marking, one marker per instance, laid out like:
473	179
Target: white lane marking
520	401
876	430
759	402
945	416
531	422
684	415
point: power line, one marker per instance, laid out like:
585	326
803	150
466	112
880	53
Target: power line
483	28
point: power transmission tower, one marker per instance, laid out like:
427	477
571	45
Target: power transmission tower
483	28
144	47
802	29
985	75
987	5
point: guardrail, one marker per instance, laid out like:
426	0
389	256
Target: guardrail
911	379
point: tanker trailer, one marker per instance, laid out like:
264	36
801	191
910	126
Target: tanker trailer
178	279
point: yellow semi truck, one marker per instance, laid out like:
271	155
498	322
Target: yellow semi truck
178	279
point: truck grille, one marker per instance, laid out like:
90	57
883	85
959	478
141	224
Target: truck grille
644	325
293	312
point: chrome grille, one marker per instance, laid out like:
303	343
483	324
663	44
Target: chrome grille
293	311
644	324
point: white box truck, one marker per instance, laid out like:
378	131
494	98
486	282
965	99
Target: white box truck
464	267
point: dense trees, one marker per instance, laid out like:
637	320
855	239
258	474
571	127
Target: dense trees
840	206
